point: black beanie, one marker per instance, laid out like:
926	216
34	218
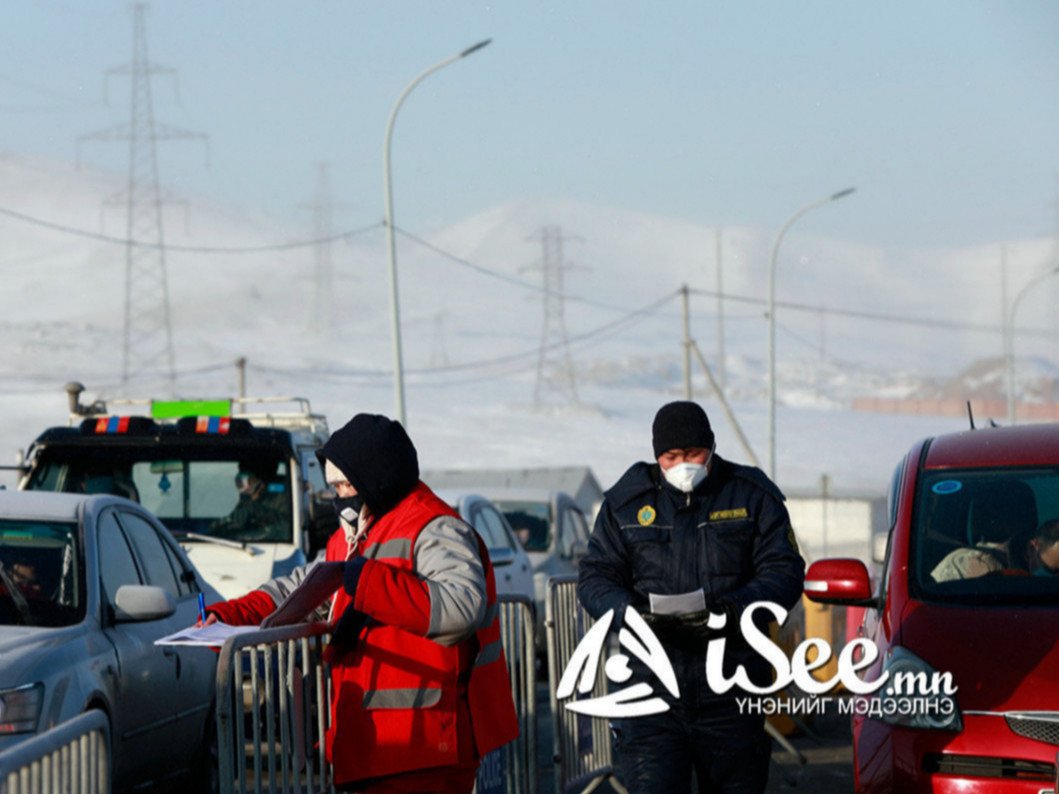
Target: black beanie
680	425
377	457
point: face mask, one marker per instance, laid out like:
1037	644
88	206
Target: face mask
348	507
685	477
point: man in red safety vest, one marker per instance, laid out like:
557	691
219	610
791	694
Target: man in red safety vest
420	685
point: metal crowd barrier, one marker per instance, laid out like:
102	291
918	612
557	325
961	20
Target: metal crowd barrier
273	696
273	691
517	759
72	756
583	753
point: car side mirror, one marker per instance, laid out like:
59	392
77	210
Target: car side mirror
841	581
137	602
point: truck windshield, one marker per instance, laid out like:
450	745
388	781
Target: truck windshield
245	499
41	574
987	536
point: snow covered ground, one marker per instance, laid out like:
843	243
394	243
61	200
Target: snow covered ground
473	314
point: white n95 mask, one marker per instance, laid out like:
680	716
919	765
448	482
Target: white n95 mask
685	477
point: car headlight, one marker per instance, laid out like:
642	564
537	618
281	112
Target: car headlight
916	695
20	709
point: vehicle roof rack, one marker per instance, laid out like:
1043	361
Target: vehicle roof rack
286	413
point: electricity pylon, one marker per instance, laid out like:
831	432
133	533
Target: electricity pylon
148	333
555	367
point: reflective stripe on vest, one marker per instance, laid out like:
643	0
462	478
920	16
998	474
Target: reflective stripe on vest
388	549
401	698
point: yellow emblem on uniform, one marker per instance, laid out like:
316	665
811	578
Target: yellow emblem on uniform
646	516
792	540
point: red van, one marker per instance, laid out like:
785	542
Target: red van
965	618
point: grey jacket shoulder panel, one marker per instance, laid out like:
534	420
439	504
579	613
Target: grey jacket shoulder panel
446	556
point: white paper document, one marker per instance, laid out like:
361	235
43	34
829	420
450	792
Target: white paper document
678	604
212	635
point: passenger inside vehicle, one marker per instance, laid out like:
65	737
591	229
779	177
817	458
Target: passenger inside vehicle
1001	518
1043	550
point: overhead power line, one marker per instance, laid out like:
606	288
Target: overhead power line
951	325
192	249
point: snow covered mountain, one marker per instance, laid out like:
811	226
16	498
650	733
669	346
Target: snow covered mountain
852	320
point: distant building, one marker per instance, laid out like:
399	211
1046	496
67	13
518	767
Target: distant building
830	524
578	481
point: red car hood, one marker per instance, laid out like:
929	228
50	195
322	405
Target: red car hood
1001	658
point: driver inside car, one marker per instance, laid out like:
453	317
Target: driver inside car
259	511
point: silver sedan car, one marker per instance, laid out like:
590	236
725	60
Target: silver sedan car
87	584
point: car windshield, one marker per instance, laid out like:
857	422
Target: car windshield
987	536
531	522
41	574
244	499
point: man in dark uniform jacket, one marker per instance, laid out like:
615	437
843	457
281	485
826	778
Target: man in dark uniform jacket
692	522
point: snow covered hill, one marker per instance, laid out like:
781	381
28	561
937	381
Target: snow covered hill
473	319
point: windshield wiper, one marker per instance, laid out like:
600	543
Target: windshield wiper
17	596
231	544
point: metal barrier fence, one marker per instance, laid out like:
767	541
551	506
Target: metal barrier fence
273	696
273	691
518	759
72	756
583	754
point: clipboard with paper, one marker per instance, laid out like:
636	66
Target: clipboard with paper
319	584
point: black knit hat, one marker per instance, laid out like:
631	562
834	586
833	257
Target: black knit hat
377	457
680	425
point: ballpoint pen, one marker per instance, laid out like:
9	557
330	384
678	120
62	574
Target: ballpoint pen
202	607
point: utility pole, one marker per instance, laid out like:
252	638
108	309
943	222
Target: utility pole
148	333
555	368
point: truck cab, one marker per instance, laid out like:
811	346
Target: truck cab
236	481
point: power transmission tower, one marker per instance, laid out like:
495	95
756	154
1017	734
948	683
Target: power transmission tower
148	331
323	282
555	367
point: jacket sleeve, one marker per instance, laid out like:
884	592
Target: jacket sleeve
604	578
443	597
255	606
779	570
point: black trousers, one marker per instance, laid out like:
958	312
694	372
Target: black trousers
728	752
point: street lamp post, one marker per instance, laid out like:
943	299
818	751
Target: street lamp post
772	319
398	367
1009	341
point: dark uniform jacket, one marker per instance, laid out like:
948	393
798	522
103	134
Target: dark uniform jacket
731	536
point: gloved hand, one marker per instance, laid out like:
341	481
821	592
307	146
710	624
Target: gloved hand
691	632
347	628
351	575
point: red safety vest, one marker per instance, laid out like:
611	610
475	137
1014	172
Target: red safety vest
400	700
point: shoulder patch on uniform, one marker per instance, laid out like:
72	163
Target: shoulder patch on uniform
793	541
721	515
646	516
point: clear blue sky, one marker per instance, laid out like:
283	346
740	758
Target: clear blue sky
943	113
